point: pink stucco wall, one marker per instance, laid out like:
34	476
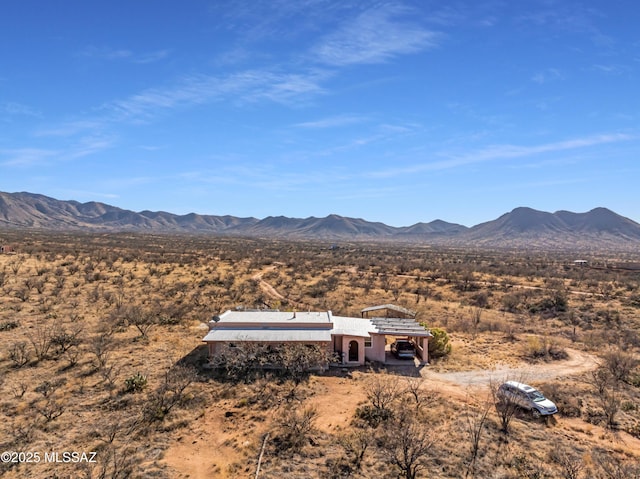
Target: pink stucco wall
376	351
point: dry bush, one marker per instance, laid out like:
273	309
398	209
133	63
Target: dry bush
294	428
170	393
571	465
406	444
619	364
543	349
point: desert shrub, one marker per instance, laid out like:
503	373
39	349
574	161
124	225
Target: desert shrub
170	393
480	299
247	361
537	348
634	301
355	445
63	338
439	344
620	364
373	416
568	402
8	325
511	303
550	306
135	383
570	463
294	429
18	354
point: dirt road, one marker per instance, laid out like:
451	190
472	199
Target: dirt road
578	363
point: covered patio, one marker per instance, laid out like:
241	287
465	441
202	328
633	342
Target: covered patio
403	328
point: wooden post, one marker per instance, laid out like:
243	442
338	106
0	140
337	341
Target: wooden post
264	443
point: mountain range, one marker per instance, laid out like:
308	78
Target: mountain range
522	227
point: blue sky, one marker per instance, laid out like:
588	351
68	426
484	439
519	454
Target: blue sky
392	111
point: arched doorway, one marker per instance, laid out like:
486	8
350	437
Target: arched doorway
353	351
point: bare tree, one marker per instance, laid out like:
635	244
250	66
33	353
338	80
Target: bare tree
475	422
117	462
241	361
505	406
418	395
611	467
607	389
64	338
143	319
355	444
170	393
571	465
51	406
40	339
382	391
406	444
476	315
298	360
101	346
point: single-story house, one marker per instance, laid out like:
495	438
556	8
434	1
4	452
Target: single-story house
6	249
353	340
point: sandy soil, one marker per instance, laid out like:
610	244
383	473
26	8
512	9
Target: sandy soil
217	441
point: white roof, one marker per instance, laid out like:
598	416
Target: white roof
275	317
268	335
271	326
277	326
345	326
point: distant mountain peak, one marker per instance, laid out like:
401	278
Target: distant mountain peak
522	227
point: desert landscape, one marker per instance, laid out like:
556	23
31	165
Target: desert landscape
102	356
319	239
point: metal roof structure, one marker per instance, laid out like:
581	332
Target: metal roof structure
400	327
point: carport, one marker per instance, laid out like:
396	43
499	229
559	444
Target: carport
401	328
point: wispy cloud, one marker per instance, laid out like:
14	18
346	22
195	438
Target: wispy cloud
123	54
29	157
503	152
151	57
333	122
106	53
257	21
70	128
609	69
375	36
548	75
18	109
20	157
88	146
247	86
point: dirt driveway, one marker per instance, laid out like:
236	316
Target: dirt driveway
577	363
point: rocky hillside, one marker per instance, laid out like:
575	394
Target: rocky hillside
520	228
